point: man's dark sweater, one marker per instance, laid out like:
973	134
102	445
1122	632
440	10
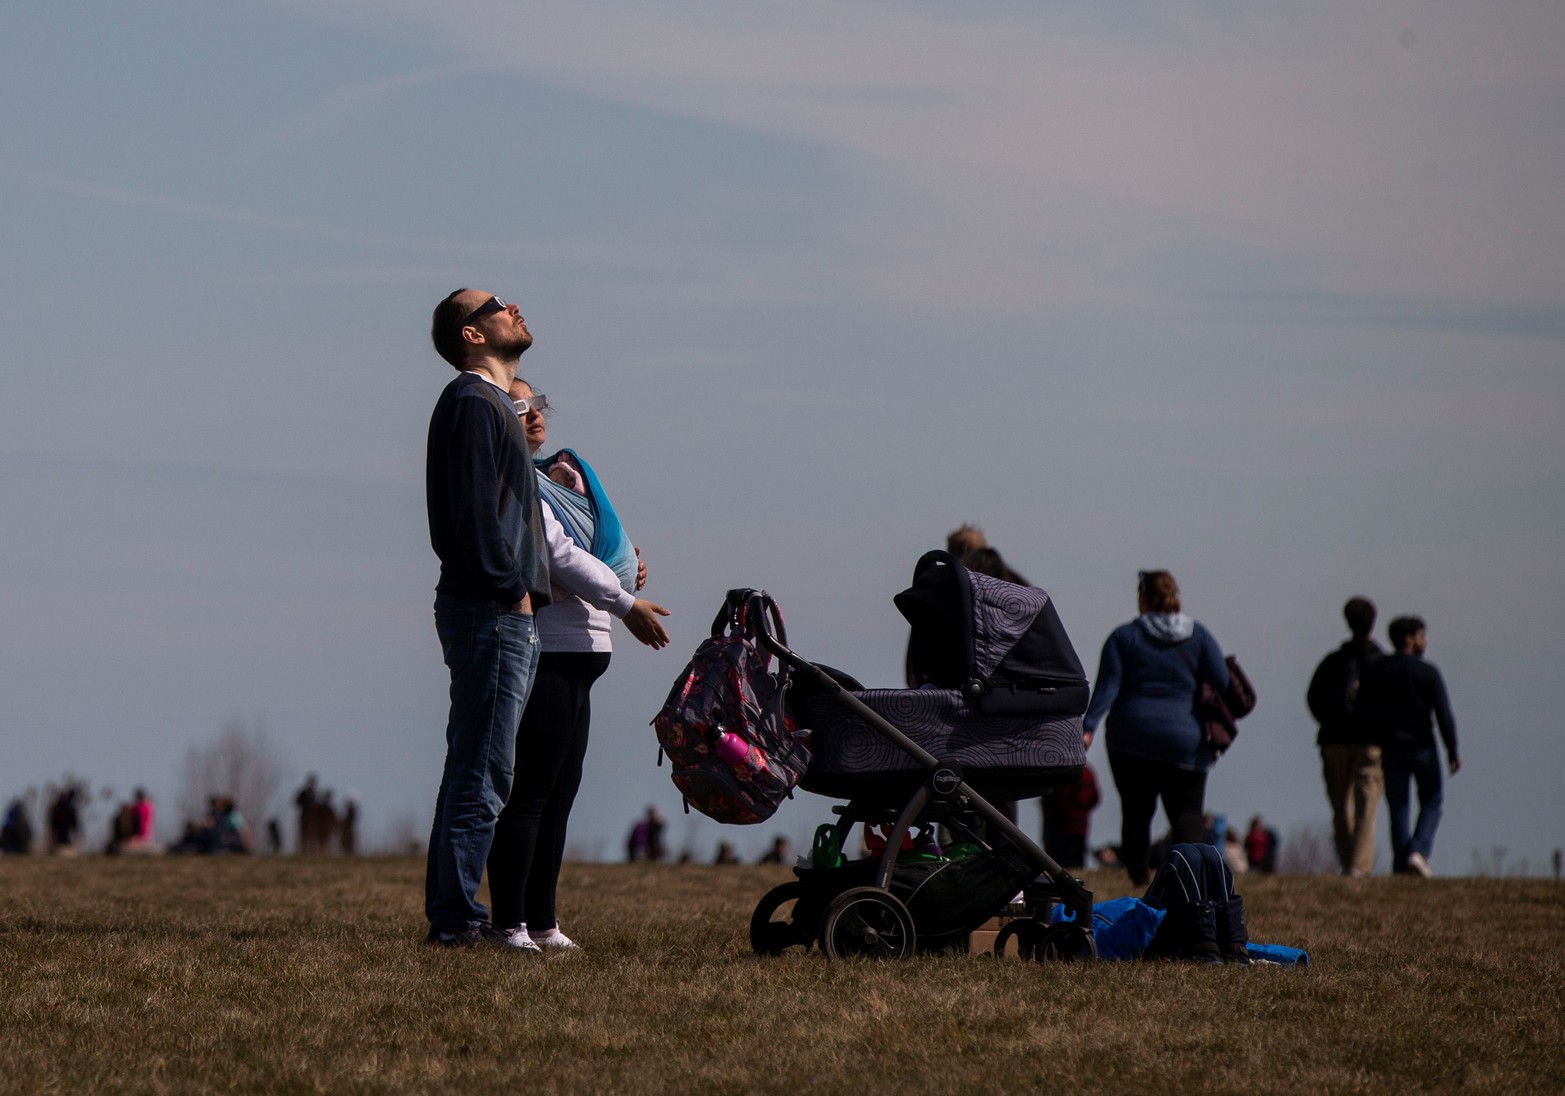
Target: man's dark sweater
1399	695
482	494
1333	693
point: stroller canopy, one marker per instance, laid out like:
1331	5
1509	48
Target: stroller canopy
1000	644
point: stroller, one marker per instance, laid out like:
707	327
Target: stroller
996	716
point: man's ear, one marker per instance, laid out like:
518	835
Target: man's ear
473	335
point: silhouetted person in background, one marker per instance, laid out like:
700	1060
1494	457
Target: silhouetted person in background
306	800
1350	757
274	836
778	853
325	822
348	827
1067	818
232	832
64	821
636	841
725	854
1234	853
657	849
1400	695
131	829
964	540
988	561
1260	847
645	841
16	832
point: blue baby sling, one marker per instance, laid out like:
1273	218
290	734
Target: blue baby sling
589	520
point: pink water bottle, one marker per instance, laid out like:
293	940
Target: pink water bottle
731	748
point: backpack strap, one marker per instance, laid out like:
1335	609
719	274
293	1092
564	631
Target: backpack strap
762	606
731	619
745	611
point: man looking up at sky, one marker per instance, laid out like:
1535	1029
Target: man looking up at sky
485	525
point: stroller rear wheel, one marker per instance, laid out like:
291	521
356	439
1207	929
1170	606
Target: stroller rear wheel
1067	943
771	934
1024	935
867	921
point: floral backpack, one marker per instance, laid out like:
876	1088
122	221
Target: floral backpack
735	751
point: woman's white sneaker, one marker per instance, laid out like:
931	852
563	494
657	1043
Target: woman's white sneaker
512	938
554	938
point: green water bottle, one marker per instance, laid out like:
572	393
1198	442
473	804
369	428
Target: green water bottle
826	852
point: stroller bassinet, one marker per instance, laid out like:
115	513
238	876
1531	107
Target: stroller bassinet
996	687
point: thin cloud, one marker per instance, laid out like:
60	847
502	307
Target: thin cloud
1362	146
1372	310
566	254
343	106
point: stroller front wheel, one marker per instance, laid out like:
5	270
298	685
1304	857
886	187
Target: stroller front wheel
1067	943
867	921
771	935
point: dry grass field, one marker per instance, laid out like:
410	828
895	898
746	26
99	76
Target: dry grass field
298	975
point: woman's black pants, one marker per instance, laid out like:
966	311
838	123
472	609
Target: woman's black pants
1141	783
551	743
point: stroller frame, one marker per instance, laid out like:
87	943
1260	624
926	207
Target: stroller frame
852	916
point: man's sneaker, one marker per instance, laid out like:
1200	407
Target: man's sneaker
554	938
515	939
1418	865
467	938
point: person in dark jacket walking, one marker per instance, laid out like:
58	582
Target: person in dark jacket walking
1148	677
1350	759
1067	818
1399	697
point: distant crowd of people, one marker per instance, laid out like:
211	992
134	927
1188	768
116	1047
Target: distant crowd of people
219	827
322	827
645	844
220	830
130	829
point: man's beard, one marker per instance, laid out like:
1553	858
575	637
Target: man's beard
518	347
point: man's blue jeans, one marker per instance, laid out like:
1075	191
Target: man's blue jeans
1421	767
492	653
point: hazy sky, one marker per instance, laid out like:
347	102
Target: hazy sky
1269	295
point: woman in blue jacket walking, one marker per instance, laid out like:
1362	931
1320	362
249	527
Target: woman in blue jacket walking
1148	678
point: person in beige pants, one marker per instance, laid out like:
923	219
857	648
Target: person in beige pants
1350	761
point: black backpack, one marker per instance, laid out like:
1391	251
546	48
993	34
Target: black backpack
1203	918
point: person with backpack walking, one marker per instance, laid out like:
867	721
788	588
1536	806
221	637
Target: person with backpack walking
551	737
1149	676
1350	759
1399	697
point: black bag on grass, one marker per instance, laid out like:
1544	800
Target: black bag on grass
1203	918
